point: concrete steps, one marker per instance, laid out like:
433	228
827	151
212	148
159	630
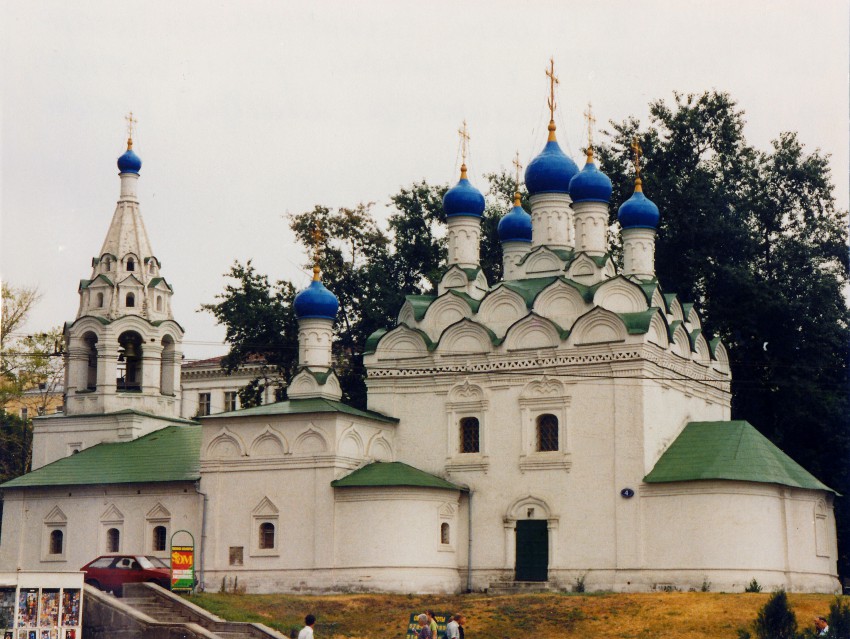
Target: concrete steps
148	611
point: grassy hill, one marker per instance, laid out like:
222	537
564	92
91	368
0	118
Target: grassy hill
676	615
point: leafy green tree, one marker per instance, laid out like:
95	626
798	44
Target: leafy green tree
15	446
260	325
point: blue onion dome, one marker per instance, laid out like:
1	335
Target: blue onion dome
463	198
315	301
516	225
590	184
552	170
129	162
638	211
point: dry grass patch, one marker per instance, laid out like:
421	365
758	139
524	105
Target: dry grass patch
690	615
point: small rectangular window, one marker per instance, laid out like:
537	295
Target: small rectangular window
203	404
236	553
24	412
229	401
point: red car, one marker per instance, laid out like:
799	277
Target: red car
111	572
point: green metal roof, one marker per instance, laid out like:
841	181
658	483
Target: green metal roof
301	407
530	288
170	454
565	255
729	450
420	304
372	341
638	323
379	474
473	303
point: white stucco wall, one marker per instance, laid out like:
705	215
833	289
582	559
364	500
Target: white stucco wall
84	514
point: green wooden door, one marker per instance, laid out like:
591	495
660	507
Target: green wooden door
532	550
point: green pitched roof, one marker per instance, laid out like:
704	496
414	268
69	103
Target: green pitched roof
301	407
420	304
392	474
170	454
729	450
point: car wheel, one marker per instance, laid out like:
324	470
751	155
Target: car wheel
94	583
118	590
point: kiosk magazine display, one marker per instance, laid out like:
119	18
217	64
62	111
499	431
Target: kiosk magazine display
41	605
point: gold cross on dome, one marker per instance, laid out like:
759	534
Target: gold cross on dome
518	167
516	163
464	146
553	80
590	122
131	128
637	153
317	236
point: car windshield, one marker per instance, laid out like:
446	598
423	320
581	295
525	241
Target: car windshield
103	562
156	561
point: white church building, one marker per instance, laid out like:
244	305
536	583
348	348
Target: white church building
570	422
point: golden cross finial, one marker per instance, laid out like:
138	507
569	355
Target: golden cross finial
131	128
516	163
464	148
553	80
637	153
317	251
590	122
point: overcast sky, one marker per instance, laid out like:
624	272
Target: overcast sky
248	111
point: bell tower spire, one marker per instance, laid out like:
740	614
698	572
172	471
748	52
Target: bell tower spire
124	347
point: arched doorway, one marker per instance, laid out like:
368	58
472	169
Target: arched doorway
530	541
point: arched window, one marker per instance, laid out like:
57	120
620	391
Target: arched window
131	264
159	538
469	435
108	264
547	432
91	370
445	534
266	536
56	539
131	300
100	300
159	303
113	540
150	267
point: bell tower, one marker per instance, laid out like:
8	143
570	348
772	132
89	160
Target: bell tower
124	347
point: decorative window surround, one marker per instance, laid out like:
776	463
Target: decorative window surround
466	400
446	527
265	513
55	521
546	395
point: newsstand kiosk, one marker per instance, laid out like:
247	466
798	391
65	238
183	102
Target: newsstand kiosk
41	605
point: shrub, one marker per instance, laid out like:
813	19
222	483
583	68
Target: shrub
578	583
776	620
839	619
753	586
706	585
